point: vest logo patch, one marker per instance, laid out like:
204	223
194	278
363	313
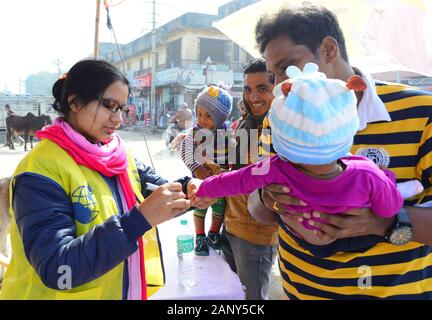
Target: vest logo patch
84	204
378	155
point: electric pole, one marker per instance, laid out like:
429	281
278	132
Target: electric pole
58	63
96	41
153	78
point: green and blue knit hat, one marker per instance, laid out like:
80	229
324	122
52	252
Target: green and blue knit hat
217	102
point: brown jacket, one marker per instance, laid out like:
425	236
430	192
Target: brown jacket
239	222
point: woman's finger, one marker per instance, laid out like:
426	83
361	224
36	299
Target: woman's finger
177	195
174	186
181	204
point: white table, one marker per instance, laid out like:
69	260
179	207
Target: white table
215	280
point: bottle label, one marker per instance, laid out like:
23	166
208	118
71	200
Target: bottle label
185	244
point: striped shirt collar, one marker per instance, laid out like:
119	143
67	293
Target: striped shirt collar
371	108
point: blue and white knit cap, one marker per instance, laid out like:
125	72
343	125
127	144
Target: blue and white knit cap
217	102
316	123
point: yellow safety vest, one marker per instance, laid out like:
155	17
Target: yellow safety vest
84	187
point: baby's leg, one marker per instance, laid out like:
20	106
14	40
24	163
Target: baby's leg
201	245
215	239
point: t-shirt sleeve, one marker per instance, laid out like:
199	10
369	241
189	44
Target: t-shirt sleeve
424	164
187	152
385	200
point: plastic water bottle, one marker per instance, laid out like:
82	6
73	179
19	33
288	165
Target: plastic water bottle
185	253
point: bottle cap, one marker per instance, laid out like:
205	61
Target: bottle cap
183	222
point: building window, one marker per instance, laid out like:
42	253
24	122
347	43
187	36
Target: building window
248	56
141	63
236	52
215	49
173	53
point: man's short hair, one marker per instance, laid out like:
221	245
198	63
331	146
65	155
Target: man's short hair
255	66
7	106
307	25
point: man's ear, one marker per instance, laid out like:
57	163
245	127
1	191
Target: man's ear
356	83
329	48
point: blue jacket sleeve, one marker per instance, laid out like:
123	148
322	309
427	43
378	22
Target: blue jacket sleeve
44	217
147	175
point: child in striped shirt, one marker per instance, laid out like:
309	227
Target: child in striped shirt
203	148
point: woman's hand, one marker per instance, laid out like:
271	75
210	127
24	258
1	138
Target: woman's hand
164	203
202	202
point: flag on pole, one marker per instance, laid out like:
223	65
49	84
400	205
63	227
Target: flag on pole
109	24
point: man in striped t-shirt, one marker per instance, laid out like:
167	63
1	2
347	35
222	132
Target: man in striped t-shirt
363	261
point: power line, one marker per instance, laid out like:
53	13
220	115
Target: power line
153	78
111	27
161	3
116	4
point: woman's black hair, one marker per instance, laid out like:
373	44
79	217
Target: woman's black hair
87	80
307	25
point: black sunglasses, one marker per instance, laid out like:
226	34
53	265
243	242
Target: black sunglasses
111	104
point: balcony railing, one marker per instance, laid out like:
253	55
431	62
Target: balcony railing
191	64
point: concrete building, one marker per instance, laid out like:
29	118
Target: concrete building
191	54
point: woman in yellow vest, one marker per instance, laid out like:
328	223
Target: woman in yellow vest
80	228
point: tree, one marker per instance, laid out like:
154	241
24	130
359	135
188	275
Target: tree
40	83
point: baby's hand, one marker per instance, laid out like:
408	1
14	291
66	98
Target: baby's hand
202	202
198	202
192	188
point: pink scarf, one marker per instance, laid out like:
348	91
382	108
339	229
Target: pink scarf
109	160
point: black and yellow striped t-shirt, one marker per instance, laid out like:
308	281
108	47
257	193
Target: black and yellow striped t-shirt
378	270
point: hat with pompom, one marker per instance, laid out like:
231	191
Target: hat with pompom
217	102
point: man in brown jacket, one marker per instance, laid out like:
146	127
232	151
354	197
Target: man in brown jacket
253	244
